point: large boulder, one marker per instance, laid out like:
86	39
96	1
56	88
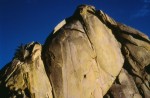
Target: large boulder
88	55
83	56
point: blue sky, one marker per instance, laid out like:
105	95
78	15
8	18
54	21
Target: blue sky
24	21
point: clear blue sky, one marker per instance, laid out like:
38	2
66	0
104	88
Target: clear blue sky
24	21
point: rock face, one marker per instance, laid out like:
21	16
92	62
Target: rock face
25	76
88	55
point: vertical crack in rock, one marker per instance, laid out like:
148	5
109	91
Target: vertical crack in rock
79	49
138	57
88	55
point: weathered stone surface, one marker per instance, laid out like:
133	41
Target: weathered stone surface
136	50
25	76
88	55
124	87
128	84
84	55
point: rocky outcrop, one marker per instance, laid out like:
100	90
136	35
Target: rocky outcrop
88	55
25	76
84	51
136	51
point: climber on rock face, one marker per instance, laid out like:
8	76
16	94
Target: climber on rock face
88	55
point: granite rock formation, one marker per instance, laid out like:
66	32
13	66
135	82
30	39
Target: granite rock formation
88	55
25	76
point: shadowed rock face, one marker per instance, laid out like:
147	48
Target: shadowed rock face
88	55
